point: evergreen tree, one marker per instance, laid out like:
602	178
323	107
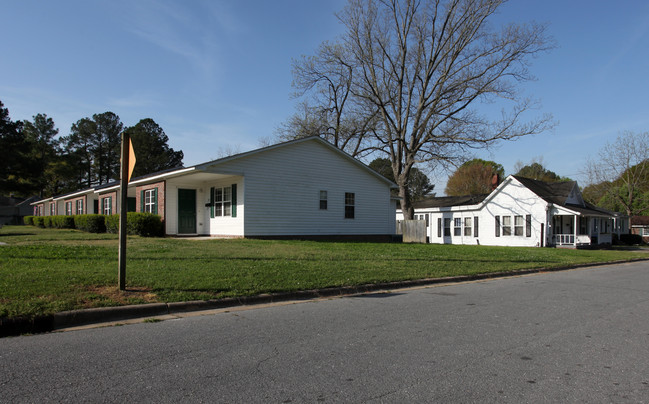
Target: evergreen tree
14	149
151	148
43	150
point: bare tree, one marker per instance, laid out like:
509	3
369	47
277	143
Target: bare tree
334	113
620	171
420	66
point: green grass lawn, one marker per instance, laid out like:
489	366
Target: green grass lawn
44	271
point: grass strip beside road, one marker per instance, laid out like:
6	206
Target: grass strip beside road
43	271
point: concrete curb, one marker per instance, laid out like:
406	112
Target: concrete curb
22	325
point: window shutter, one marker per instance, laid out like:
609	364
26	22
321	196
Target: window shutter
475	226
212	202
497	226
528	225
142	201
233	197
439	227
154	210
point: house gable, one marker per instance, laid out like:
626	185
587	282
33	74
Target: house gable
285	185
212	165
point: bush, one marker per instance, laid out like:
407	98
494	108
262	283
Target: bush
631	239
48	221
29	220
112	223
91	223
39	221
140	224
63	222
144	224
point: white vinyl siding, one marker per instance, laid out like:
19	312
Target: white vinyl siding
490	221
280	182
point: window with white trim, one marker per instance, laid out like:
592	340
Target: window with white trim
467	226
507	225
80	207
68	208
518	225
52	209
222	201
457	226
150	202
107	207
323	200
350	204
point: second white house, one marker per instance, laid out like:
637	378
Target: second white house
520	212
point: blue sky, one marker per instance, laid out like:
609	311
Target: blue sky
216	75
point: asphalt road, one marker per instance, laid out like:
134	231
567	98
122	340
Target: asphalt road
573	336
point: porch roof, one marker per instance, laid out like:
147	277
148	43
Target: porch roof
589	210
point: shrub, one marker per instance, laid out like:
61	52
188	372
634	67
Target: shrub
63	222
112	223
141	224
39	221
631	239
48	221
91	223
29	220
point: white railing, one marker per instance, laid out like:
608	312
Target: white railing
571	239
564	239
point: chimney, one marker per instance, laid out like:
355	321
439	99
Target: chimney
495	180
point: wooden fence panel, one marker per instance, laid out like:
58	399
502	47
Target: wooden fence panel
414	231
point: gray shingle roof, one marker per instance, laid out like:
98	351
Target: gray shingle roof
448	201
554	192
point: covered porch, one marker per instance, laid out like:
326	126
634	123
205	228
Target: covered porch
581	228
204	203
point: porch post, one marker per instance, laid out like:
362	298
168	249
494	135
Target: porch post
574	230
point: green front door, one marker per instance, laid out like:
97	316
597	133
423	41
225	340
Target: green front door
186	211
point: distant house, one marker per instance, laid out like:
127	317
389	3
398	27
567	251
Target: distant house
12	209
302	188
520	212
640	226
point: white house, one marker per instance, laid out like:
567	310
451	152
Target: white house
520	212
301	188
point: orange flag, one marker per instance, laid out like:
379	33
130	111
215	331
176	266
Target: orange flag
131	159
